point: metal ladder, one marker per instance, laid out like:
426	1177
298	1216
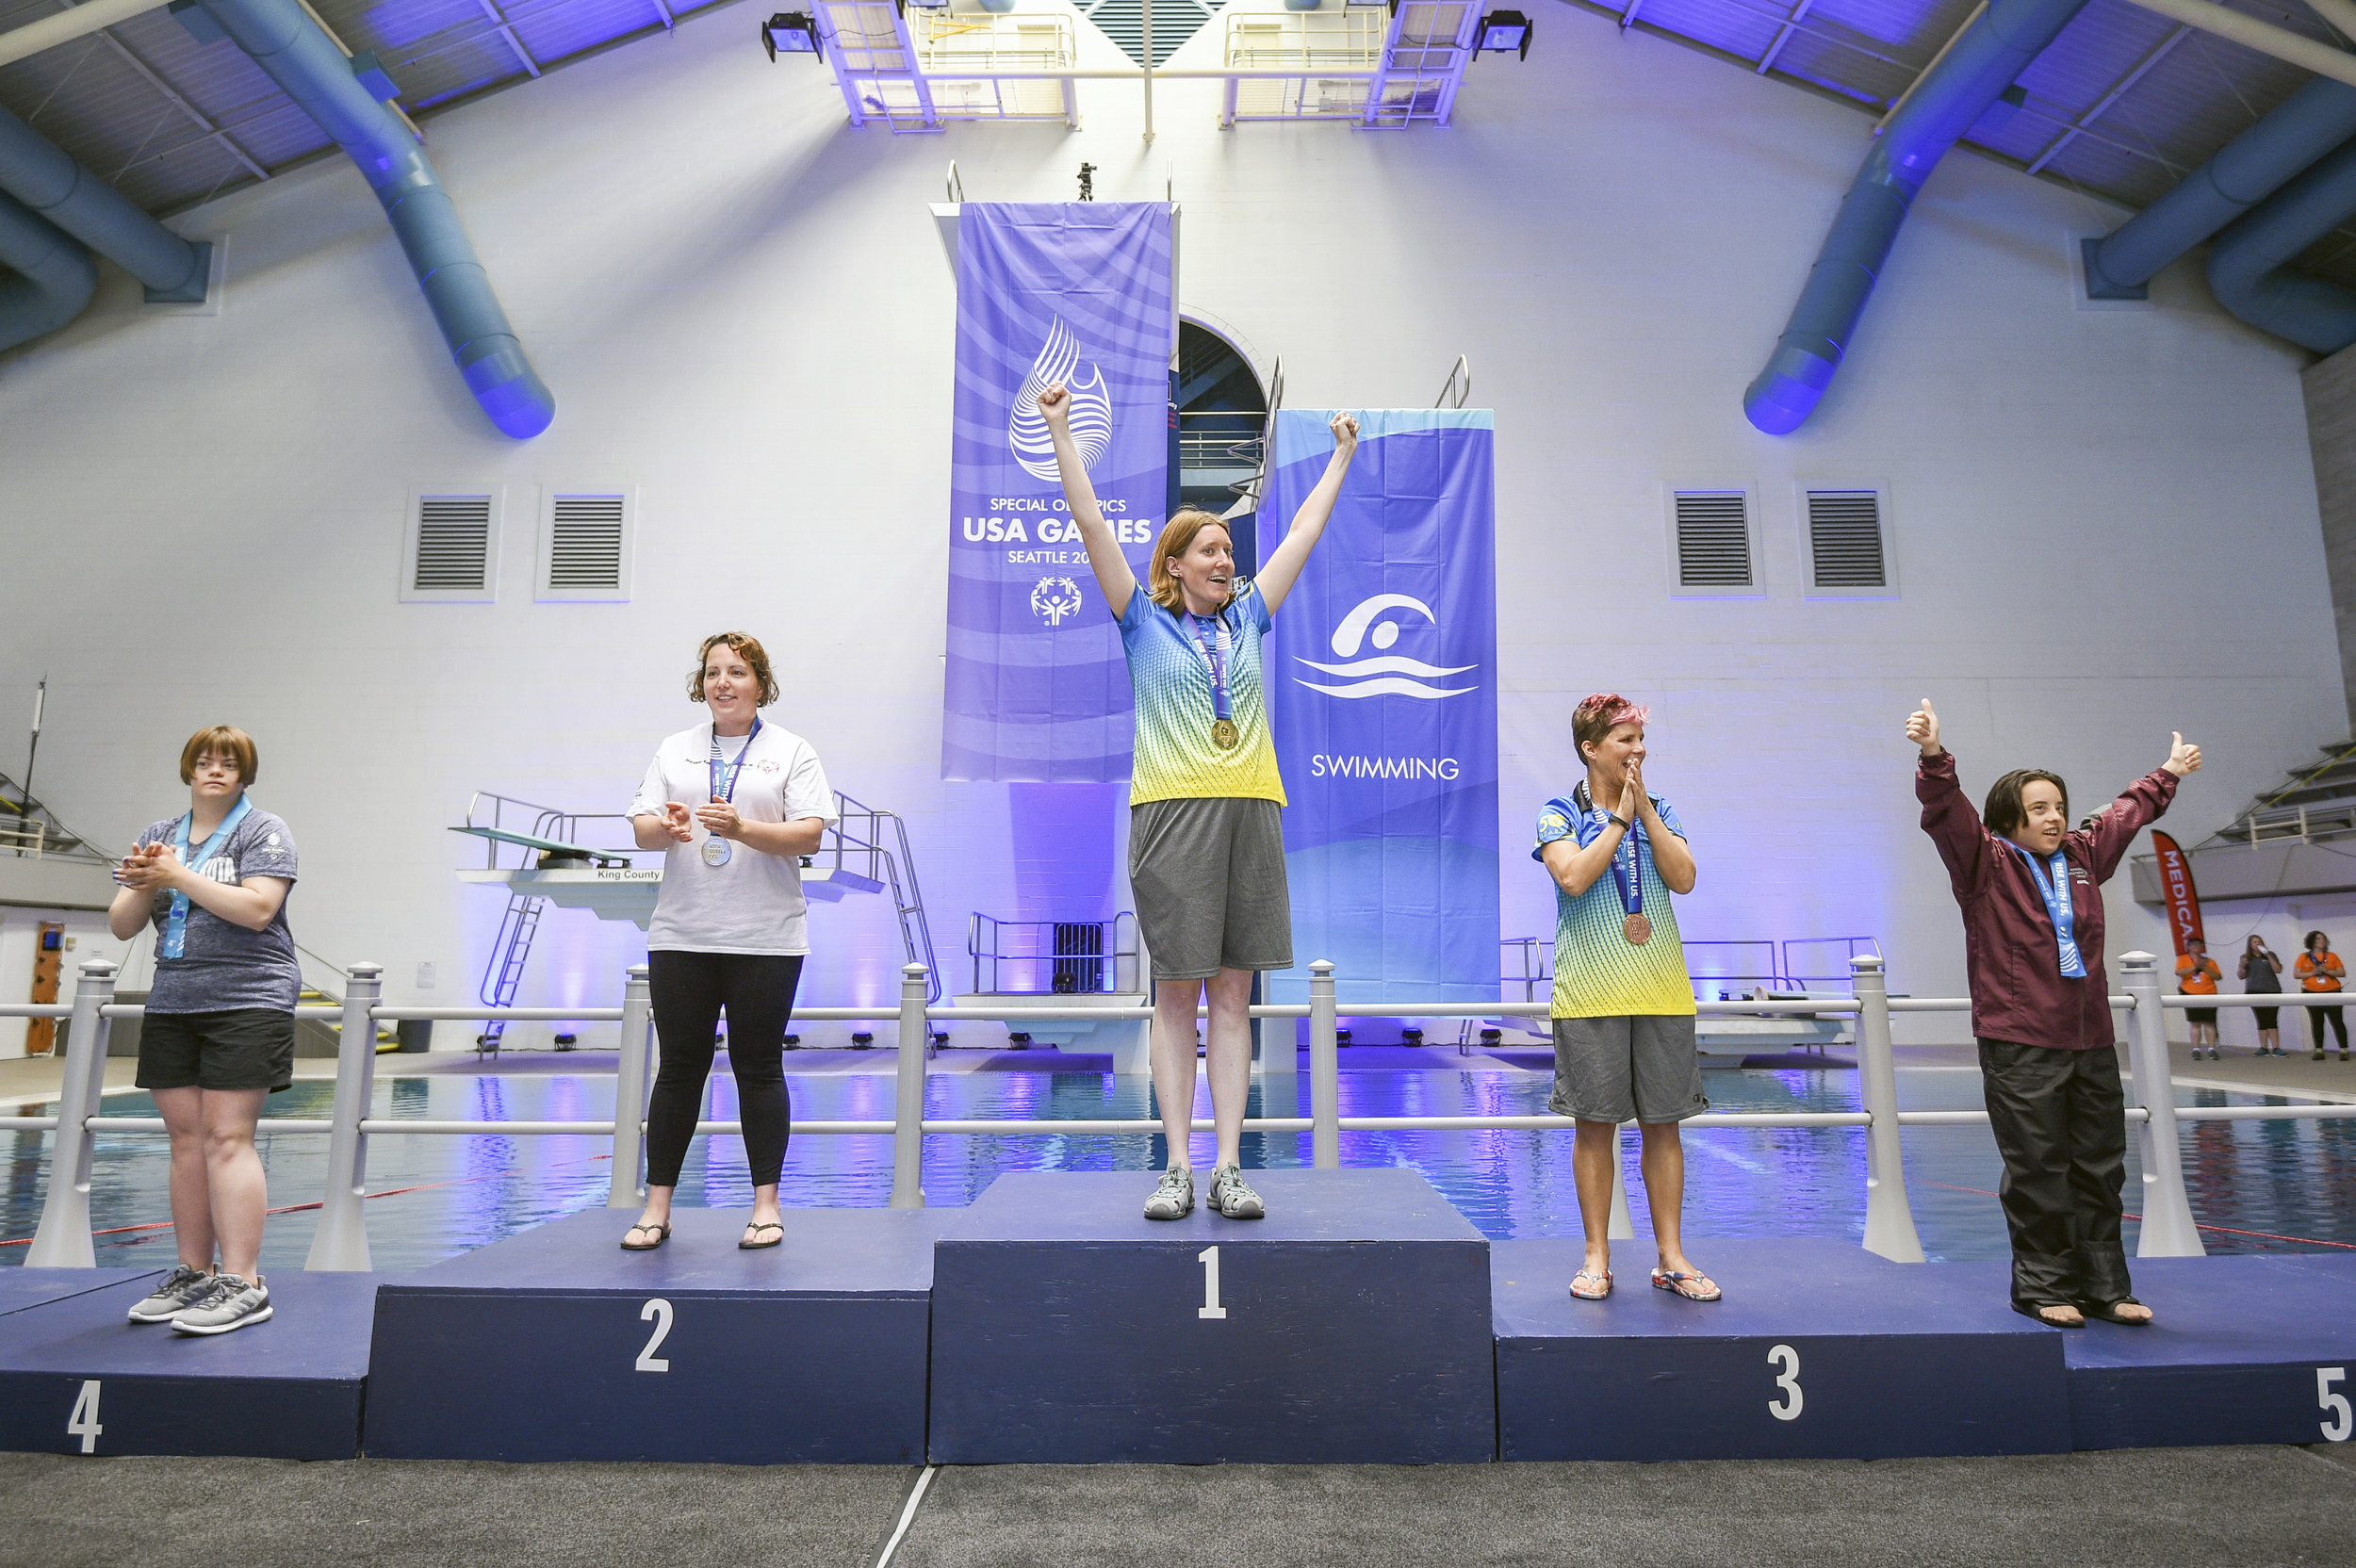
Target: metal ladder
908	899
506	973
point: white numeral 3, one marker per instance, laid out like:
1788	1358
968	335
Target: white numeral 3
1788	1380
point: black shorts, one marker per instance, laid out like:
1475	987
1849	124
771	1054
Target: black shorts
246	1047
2201	1014
2268	1018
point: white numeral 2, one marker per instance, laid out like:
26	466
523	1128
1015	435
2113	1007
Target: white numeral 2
83	1421
1788	1380
2334	1430
658	1312
1208	1258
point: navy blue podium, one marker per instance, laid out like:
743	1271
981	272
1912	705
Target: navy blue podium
1352	1325
1819	1350
557	1345
76	1377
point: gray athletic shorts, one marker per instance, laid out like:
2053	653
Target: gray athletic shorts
1209	880
1640	1068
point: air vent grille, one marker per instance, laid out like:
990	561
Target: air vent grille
453	546
1714	540
585	544
1845	535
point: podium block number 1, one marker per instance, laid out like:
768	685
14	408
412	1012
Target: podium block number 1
1208	1258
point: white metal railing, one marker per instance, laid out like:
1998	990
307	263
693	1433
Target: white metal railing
63	1238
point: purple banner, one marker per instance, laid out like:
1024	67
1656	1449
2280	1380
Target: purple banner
1035	689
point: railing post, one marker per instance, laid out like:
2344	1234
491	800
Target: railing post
907	1120
341	1243
1889	1216
1621	1226
1325	1087
2168	1231
629	1092
63	1240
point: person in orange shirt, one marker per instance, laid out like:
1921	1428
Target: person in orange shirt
2197	975
2320	970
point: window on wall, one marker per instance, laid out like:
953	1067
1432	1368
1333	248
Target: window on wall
1710	542
450	550
1848	542
585	538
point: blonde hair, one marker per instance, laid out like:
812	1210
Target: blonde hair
230	741
1177	537
746	648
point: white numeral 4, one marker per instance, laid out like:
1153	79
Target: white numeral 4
2334	1430
1208	1258
657	1312
1787	1379
83	1421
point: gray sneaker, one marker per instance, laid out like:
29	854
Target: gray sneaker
1175	1197
1231	1197
229	1301
180	1287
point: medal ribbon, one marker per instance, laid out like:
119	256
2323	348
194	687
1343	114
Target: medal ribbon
175	940
1215	649
730	770
2055	892
1630	878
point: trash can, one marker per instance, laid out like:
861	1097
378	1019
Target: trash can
414	1033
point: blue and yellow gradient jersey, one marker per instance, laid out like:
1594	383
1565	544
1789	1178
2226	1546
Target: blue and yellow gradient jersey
1175	758
1597	971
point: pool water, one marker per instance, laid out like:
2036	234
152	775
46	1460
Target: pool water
2255	1187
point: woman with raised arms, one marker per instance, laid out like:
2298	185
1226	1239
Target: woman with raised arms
1207	843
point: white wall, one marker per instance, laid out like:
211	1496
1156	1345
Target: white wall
2104	521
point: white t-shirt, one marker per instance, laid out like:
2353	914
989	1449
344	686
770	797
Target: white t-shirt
754	903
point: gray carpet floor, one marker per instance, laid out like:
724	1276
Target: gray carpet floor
2218	1507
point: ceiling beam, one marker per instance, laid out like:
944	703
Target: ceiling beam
81	21
1783	35
2118	90
506	29
2292	48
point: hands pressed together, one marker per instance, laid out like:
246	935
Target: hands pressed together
150	868
1922	729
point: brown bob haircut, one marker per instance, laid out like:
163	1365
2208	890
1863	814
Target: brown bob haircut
2003	812
230	741
1176	539
747	647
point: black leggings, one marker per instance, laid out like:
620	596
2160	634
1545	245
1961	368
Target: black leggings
688	990
2339	1025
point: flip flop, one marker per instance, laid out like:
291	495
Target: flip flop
758	1226
662	1235
1590	1294
2035	1311
1690	1283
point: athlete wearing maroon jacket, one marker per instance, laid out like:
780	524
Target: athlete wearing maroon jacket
2030	894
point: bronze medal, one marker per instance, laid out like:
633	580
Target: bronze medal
1224	734
1637	929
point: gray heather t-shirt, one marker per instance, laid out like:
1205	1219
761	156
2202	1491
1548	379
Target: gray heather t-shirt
222	967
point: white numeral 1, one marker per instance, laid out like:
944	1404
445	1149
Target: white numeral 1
2334	1430
1208	1258
658	1312
1788	1380
83	1421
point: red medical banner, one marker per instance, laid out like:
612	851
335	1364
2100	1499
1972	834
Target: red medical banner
2177	892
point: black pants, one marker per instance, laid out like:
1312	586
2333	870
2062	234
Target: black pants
2339	1025
2060	1122
688	990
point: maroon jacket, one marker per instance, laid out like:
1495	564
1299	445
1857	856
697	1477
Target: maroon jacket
2019	992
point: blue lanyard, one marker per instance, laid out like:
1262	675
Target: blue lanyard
1214	647
730	770
2054	890
1628	879
176	922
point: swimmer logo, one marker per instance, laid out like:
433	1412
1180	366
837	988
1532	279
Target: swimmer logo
1392	675
1054	598
1091	408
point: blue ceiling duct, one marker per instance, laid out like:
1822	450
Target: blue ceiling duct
47	180
50	277
2247	265
1961	86
2304	126
307	66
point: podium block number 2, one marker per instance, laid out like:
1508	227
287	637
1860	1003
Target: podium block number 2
1208	1258
1786	1360
82	1421
2334	1430
657	1312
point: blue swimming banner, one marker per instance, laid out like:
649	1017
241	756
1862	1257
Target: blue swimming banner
1035	687
1382	682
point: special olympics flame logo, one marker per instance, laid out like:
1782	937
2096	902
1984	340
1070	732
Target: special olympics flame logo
1054	598
1385	676
1091	408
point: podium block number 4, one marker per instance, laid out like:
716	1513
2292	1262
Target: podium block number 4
82	1421
1208	1258
657	1312
1787	1364
2334	1430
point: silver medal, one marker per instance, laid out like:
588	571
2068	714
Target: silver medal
716	852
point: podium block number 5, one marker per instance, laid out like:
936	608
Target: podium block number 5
82	1421
1787	1362
1208	1258
2334	1430
657	1312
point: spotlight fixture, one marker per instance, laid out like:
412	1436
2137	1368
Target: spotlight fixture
862	1040
792	31
1411	1036
1504	33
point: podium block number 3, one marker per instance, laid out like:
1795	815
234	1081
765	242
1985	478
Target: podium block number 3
82	1421
1208	1258
2326	1397
1786	1360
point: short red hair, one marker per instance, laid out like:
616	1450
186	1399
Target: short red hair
1593	719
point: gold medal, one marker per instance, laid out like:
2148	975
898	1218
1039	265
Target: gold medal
1637	929
1224	734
